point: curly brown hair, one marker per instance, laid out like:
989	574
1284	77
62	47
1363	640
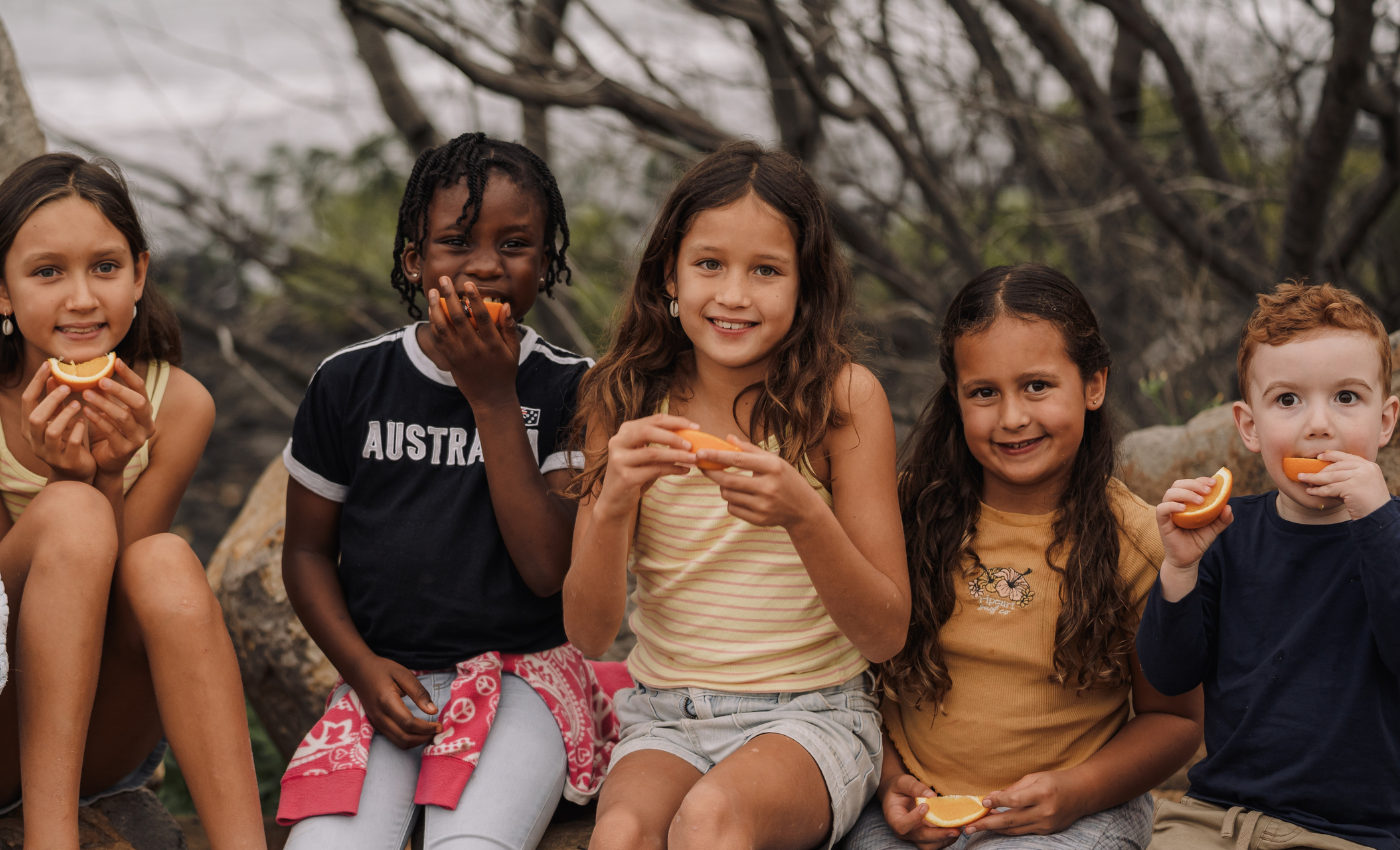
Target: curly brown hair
795	399
940	492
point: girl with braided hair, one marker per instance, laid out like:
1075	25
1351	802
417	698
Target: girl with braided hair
425	547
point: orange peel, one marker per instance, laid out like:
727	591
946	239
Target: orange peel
1199	516
84	375
701	440
952	810
1292	466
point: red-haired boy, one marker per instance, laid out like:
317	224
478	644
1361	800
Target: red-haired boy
1287	607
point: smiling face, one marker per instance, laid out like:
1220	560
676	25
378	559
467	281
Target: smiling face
71	282
736	282
503	255
1315	393
1023	403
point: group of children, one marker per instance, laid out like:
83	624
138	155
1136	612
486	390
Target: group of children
826	633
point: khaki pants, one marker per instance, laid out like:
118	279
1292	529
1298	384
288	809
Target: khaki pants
1193	824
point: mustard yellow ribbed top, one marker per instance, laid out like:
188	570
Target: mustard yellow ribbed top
1003	717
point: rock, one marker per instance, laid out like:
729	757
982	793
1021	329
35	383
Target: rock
134	820
1153	458
285	675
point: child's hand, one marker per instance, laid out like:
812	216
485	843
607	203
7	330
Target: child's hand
775	495
483	358
1185	546
640	452
55	431
119	419
1038	804
381	685
906	817
1358	482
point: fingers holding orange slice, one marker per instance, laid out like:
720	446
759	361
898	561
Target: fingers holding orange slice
953	810
701	440
1202	515
1293	466
85	375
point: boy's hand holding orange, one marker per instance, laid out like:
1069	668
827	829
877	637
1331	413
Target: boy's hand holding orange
1358	482
1191	515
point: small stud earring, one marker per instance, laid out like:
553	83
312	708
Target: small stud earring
675	309
7	327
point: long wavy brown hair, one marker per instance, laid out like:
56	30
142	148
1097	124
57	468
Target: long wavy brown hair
795	398
940	491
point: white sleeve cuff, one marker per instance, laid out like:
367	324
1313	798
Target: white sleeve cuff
315	483
562	460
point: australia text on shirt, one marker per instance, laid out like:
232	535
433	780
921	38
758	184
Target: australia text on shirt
397	440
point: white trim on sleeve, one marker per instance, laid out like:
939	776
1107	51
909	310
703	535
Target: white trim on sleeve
562	460
315	483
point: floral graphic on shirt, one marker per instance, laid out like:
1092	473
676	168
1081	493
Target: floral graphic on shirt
1003	583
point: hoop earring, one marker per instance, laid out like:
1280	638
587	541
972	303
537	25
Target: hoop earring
675	309
7	327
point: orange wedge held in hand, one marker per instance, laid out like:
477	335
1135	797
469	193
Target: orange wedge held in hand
492	307
700	440
1294	465
85	375
1202	515
955	810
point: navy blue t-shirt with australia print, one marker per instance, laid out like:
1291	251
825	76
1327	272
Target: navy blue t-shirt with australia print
425	571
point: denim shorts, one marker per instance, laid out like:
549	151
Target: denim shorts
839	727
133	780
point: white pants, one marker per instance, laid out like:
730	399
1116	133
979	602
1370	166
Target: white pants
507	803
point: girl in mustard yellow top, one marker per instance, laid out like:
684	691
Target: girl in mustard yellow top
765	590
1030	565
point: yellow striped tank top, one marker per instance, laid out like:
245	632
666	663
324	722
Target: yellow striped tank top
19	484
724	604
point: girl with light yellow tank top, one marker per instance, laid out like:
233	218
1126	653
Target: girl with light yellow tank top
117	642
769	577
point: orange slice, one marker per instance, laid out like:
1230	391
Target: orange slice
492	307
85	375
1294	465
700	440
954	810
1205	513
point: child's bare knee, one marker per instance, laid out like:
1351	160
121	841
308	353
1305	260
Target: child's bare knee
621	829
709	818
165	583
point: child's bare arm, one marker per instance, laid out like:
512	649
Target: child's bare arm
854	554
535	524
1162	735
595	590
309	555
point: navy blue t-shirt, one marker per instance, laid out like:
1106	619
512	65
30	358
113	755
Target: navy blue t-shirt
425	571
1295	632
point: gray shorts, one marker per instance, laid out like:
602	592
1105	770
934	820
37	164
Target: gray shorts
839	727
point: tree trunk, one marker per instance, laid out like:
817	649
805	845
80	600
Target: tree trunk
20	136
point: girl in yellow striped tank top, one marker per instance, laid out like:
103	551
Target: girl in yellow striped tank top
116	640
768	578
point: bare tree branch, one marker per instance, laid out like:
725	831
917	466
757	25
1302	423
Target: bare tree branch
1382	103
1132	16
1316	169
395	96
1043	28
540	25
1125	81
